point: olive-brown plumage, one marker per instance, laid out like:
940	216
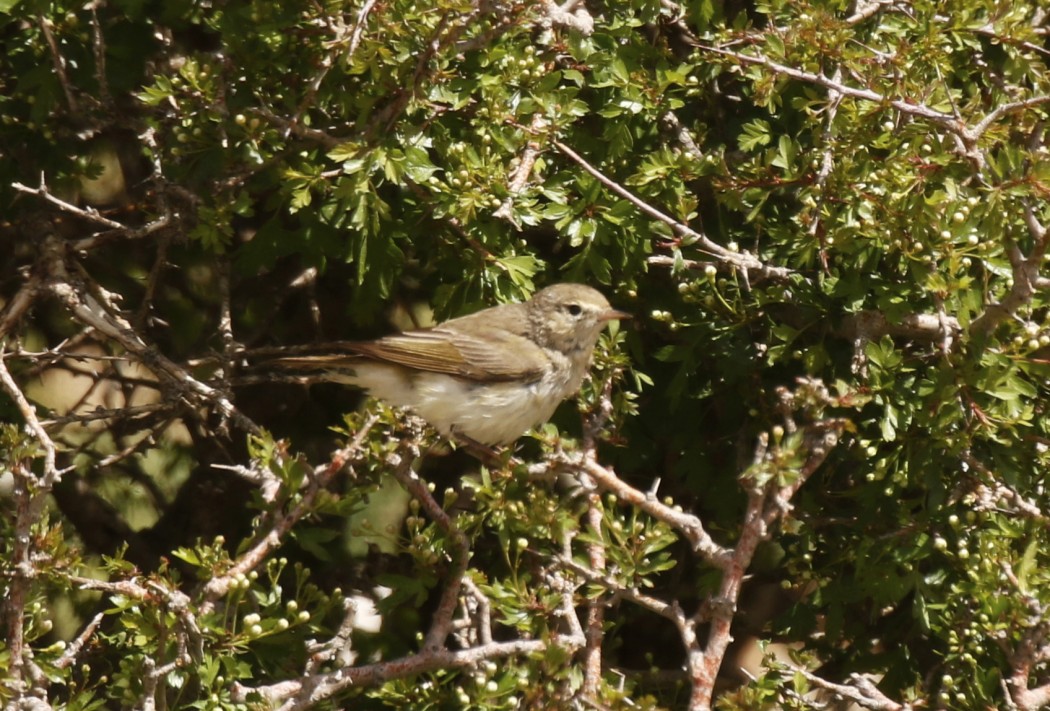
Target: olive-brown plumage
489	376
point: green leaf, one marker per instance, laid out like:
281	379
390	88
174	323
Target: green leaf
521	270
756	134
188	555
1028	565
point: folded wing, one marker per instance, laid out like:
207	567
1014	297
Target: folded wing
495	356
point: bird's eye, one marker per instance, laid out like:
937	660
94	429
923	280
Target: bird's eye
574	309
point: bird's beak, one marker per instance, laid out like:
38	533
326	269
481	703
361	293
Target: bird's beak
613	315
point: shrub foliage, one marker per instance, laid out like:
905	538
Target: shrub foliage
819	443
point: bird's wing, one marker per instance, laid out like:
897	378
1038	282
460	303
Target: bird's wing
489	356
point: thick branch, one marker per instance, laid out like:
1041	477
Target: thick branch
1026	279
305	692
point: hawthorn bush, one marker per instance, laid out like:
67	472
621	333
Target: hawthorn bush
808	472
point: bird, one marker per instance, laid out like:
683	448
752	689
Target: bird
487	377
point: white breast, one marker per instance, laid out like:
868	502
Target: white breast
490	413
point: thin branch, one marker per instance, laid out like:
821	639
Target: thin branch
176	602
297	129
90	214
827	162
14	605
520	177
689	525
89	311
51	472
98	42
483	613
863	12
703	667
225	328
151	681
948	121
93	216
682	134
861	691
341	31
160	261
459	550
359	26
1003	109
740	260
59	63
1026	279
338	647
765	506
669	611
280	524
594	625
989	31
69	656
19	305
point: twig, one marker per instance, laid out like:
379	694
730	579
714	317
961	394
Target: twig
90	312
703	667
297	129
1030	652
151	680
967	136
98	42
51	473
359	26
90	214
689	525
177	602
989	31
445	33
669	611
267	540
593	627
69	656
329	60
869	10
999	111
520	177
225	328
483	613
160	261
93	216
459	550
948	121
861	692
19	305
59	63
827	162
740	260
338	646
682	134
